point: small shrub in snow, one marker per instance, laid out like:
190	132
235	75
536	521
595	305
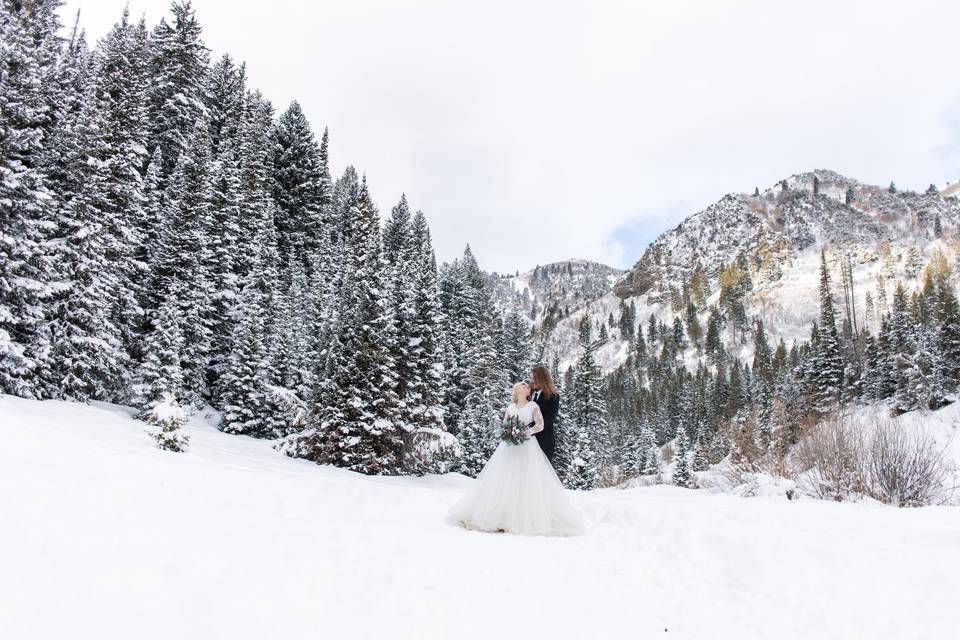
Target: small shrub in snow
830	457
168	420
905	468
430	450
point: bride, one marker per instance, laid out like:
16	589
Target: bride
518	491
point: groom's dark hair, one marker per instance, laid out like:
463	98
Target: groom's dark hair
541	375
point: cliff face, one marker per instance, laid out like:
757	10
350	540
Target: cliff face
769	229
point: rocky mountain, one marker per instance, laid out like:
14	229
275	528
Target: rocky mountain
550	292
769	229
886	235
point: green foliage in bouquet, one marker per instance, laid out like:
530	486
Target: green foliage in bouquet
514	431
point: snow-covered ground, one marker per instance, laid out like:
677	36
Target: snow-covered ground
104	536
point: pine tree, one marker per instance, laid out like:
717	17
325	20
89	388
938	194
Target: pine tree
87	357
297	186
701	453
479	432
398	248
763	382
254	159
179	73
222	240
358	421
122	73
160	374
516	347
182	264
168	420
224	97
587	415
28	46
948	314
244	385
583	472
682	473
425	388
828	360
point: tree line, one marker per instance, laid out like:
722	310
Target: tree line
168	239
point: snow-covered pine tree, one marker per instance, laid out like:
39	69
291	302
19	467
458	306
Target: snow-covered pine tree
465	300
948	314
87	359
398	251
182	267
226	86
425	388
122	81
244	394
223	238
254	159
179	78
701	453
516	351
160	374
682	473
168	419
763	383
28	46
583	472
479	432
586	420
298	374
650	451
297	186
828	359
487	389
356	424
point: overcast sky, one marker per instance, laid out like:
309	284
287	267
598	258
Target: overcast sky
543	130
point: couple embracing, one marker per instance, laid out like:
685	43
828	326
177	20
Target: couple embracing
518	490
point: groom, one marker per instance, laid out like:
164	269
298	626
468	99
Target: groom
544	393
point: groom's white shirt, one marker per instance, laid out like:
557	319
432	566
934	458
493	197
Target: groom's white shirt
535	396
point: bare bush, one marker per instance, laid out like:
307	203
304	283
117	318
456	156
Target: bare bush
830	456
843	457
905	468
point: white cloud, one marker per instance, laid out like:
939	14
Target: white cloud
533	130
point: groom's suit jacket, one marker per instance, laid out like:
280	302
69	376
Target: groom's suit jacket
549	408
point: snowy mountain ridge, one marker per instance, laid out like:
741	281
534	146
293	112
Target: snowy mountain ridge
777	235
549	292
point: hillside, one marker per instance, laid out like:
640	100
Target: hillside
549	292
777	235
106	536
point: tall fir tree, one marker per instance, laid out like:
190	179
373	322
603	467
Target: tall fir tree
28	48
181	270
297	186
356	424
828	358
177	94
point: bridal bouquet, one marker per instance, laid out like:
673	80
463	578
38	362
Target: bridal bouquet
513	431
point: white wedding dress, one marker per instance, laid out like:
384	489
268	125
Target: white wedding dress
518	491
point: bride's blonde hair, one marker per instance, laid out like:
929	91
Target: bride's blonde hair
516	390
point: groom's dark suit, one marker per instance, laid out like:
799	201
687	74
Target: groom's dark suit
549	407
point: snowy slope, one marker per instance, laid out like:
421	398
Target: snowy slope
553	289
780	233
104	536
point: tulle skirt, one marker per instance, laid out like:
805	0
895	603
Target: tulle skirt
518	492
